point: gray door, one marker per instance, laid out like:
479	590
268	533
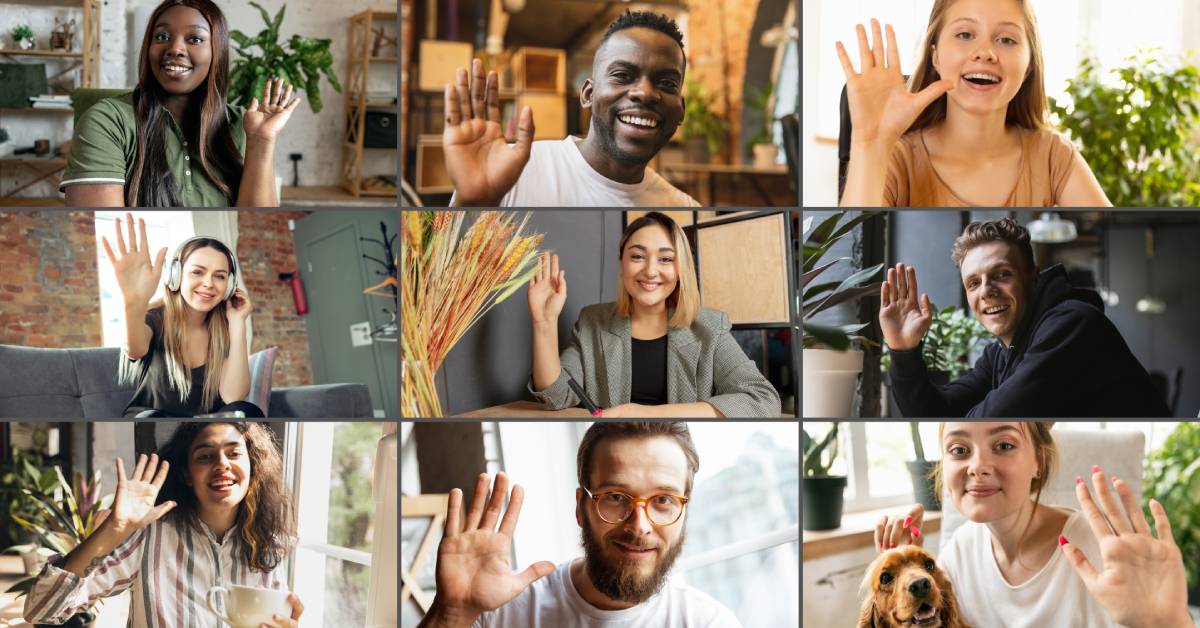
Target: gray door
335	274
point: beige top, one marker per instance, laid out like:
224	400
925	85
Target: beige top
1046	158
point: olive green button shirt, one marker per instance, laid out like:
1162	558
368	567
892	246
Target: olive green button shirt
105	146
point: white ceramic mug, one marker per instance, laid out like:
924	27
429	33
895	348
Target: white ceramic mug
248	607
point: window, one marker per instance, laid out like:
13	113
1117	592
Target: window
163	229
743	521
874	455
332	469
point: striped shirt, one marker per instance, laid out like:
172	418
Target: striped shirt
169	568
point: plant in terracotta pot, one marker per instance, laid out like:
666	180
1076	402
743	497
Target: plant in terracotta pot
1172	476
823	493
831	362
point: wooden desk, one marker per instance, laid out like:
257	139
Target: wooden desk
707	174
524	410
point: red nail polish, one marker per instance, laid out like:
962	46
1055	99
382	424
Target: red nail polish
1095	469
916	532
1114	478
1078	480
1062	540
907	522
596	412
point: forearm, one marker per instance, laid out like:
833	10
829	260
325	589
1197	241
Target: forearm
235	379
258	175
101	543
546	365
685	410
440	617
866	174
137	340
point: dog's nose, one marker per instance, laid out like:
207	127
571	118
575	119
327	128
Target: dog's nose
920	587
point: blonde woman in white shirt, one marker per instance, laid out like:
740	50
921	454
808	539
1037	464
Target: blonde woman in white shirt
213	511
1018	562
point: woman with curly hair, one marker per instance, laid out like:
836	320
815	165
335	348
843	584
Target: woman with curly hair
208	509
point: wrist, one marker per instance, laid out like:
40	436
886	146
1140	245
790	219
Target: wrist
442	616
546	327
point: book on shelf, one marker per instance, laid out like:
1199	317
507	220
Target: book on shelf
50	101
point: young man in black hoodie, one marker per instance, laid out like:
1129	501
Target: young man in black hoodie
1056	353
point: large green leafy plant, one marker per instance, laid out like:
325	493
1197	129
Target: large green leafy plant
302	63
699	119
948	344
819	297
1136	131
24	474
819	455
1172	476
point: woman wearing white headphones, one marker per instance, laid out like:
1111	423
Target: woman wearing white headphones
186	352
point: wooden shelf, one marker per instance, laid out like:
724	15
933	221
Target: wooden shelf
16	52
360	46
34	161
34	109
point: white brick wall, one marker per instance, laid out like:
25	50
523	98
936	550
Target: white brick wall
317	136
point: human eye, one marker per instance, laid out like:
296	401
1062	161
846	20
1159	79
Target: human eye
669	84
957	450
1005	446
964	35
621	75
972	284
666	260
161	36
636	256
1007	41
614	498
204	457
663	500
195	39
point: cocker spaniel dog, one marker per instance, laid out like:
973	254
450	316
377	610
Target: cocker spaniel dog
907	589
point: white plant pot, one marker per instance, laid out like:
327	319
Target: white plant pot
829	381
765	155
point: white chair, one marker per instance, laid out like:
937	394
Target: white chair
1118	453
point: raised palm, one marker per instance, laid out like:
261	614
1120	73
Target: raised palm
547	290
133	506
881	106
136	276
482	165
266	119
903	318
473	574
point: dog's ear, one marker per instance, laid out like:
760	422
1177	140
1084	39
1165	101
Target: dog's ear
868	617
951	618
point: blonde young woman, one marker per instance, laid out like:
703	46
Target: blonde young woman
1019	562
969	128
654	352
186	353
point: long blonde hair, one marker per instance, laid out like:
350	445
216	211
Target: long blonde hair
685	298
174	336
1026	110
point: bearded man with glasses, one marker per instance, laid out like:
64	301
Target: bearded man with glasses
635	480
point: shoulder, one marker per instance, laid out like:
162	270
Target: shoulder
667	194
1071	314
1050	144
711	322
111	114
598	316
699	608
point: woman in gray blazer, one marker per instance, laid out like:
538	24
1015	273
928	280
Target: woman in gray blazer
654	352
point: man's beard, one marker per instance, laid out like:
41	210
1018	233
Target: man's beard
607	132
619	581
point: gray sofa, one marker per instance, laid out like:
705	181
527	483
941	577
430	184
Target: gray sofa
82	383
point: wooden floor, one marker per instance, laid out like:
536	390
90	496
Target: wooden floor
304	196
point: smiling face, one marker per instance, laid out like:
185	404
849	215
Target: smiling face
908	589
649	271
983	46
635	93
205	278
629	561
219	468
988	468
180	51
998	286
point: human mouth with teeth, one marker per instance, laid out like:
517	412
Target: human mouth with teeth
639	121
634	550
649	286
175	69
223	485
982	80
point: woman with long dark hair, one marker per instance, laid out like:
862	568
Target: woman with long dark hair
209	508
175	140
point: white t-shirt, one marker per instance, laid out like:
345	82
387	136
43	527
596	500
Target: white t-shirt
557	175
1056	596
553	602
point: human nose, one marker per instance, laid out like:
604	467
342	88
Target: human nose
176	46
985	52
638	520
979	464
643	91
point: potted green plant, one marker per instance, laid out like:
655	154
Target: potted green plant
1172	476
22	36
761	146
947	346
62	523
302	63
1137	132
704	132
24	474
823	493
920	471
831	363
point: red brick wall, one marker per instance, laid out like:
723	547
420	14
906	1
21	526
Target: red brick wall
265	249
49	287
707	61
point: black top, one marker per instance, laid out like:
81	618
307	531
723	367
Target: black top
1066	360
153	386
649	371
